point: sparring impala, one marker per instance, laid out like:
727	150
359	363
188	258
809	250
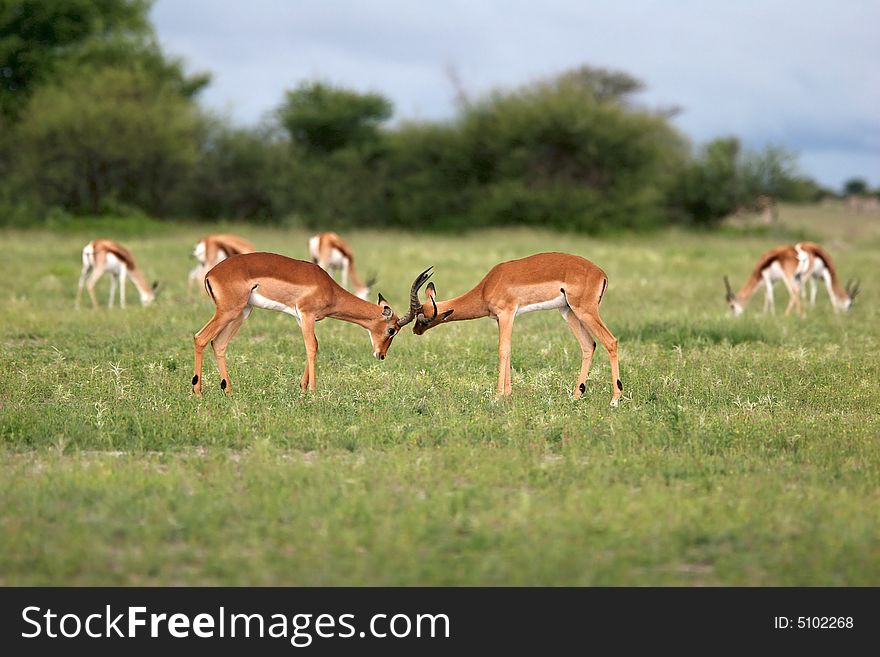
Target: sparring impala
783	263
545	281
820	266
300	289
332	253
106	256
212	250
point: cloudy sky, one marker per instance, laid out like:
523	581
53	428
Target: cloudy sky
797	73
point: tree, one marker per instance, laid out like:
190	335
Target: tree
37	36
107	137
855	187
321	119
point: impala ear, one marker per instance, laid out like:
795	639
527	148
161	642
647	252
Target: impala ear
155	285
387	312
430	291
381	299
445	315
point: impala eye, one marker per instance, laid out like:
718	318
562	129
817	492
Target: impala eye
391	331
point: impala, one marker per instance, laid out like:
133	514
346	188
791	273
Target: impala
821	266
213	249
545	281
100	256
332	253
300	289
783	263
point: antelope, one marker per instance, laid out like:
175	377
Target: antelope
821	266
568	283
100	256
213	249
783	263
330	252
295	287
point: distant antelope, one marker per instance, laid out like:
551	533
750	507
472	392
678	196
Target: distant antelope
821	266
545	281
783	263
332	253
295	287
100	256
213	249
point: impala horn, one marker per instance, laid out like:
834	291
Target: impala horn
852	288
730	294
415	306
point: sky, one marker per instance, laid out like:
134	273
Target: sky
801	74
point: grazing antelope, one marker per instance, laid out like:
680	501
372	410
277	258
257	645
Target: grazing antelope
332	253
300	289
568	283
213	249
821	266
100	256
783	263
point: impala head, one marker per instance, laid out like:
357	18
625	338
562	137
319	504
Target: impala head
852	289
735	306
148	296
363	292
383	328
425	315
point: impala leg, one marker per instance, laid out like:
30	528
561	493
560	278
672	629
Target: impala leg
311	341
769	304
826	276
794	300
597	327
219	345
113	281
505	331
201	340
814	288
588	348
123	273
96	274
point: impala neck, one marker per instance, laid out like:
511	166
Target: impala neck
350	308
748	290
469	305
143	288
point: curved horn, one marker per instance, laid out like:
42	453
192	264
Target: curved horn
853	290
730	294
415	306
421	319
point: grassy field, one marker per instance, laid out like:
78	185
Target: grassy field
746	452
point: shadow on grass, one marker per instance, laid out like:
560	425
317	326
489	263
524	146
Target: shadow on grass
694	333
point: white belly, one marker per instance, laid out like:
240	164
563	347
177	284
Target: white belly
112	264
557	302
337	259
257	300
774	272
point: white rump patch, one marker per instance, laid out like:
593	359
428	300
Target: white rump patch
257	300
557	302
313	247
199	252
337	258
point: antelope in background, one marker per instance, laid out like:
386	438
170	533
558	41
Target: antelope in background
783	263
821	266
213	249
295	287
568	283
333	254
100	256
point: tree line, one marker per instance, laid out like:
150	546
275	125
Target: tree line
96	119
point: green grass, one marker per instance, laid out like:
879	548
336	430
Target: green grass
747	451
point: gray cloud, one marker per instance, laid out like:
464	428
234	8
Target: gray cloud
800	74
